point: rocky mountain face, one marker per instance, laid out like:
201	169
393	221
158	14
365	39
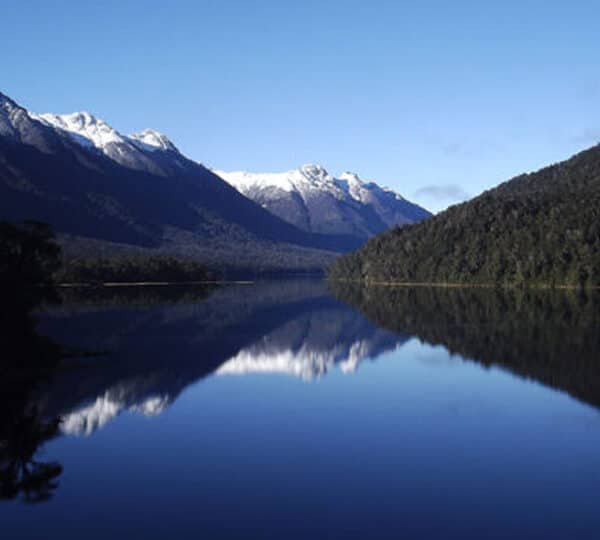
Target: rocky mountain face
315	201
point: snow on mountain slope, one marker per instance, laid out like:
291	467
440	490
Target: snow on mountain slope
152	140
90	130
8	112
362	191
85	128
309	197
316	201
18	126
343	211
134	151
306	179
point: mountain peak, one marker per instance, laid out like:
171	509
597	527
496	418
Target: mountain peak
83	126
92	132
83	118
351	177
312	199
313	170
150	139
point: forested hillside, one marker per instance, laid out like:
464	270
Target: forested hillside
536	229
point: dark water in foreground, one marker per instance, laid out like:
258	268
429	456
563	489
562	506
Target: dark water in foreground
277	410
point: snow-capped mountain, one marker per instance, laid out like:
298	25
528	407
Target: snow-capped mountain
151	140
83	127
135	151
98	187
87	129
19	127
314	200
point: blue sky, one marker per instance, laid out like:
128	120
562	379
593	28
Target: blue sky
436	99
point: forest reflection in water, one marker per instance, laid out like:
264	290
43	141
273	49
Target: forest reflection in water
550	336
32	364
151	344
27	361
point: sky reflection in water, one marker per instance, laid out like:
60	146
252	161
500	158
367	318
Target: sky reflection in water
278	410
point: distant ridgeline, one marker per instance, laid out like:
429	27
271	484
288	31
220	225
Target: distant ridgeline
105	192
549	336
536	229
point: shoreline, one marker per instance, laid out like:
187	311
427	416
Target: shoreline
362	283
113	284
444	285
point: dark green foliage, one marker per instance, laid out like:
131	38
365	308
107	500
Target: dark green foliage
242	259
550	336
22	433
28	254
132	269
28	257
537	229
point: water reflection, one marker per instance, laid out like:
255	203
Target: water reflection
27	361
312	344
156	346
153	343
297	458
21	474
158	342
552	337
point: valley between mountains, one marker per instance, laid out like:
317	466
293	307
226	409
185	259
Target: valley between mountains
111	195
107	194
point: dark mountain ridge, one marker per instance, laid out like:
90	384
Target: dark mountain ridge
541	228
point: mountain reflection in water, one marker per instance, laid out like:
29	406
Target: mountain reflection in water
151	344
157	346
159	343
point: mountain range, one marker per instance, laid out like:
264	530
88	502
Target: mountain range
106	192
315	201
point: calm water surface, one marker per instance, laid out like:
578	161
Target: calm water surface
280	410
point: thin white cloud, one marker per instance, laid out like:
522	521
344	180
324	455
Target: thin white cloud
442	193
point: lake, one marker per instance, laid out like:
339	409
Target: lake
285	410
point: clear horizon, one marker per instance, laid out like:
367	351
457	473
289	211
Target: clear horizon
437	101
